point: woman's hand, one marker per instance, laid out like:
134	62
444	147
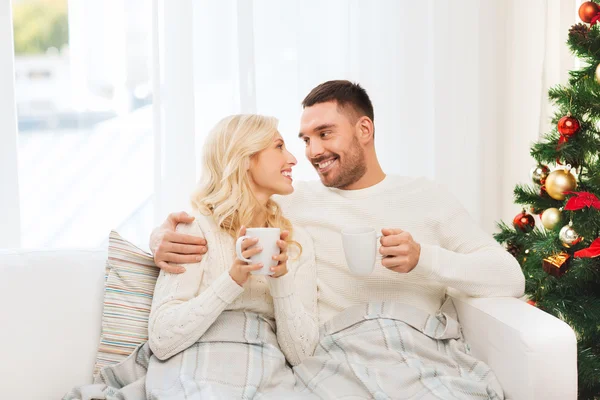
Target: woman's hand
281	268
240	271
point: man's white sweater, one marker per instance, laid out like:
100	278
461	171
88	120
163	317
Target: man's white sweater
455	252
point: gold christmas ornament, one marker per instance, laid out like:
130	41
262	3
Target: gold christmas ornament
551	218
568	236
560	181
597	74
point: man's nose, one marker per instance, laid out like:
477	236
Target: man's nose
315	149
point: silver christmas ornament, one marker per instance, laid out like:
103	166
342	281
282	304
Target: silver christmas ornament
539	173
568	236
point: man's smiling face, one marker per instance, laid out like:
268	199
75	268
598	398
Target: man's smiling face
332	146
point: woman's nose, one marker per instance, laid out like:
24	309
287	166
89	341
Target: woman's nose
291	159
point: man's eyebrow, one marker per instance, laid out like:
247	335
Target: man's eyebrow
319	128
324	126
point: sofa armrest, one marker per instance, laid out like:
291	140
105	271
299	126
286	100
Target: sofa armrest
533	354
50	314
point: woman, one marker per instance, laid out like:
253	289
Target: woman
223	331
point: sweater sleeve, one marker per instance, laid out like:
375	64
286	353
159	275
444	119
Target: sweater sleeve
295	303
180	313
468	259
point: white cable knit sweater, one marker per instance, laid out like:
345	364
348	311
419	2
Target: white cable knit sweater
455	252
185	305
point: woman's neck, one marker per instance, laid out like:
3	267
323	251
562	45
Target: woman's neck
259	217
259	214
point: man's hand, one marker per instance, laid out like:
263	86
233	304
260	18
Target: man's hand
401	253
170	247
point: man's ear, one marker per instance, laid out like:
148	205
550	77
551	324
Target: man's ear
365	129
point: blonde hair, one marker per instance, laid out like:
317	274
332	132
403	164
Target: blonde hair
224	189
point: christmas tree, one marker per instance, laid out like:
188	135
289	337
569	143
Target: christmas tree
561	259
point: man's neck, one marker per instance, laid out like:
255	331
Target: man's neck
372	177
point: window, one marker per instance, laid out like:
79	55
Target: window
84	102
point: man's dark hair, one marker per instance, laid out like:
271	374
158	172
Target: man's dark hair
349	96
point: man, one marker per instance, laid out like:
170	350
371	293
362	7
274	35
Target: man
389	334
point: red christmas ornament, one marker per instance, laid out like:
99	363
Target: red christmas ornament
568	126
532	302
582	200
524	222
590	252
588	10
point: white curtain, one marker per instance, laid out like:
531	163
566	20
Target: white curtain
536	59
10	222
459	87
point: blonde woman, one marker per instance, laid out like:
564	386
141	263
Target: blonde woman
223	331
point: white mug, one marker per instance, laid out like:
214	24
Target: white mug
267	239
360	249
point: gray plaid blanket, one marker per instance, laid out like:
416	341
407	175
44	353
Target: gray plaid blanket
380	350
389	350
237	358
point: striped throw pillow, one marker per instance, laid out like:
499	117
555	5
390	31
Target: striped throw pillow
130	278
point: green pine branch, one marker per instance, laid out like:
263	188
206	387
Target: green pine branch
573	297
588	368
581	98
530	195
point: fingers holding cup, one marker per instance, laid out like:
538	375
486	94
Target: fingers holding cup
281	268
248	268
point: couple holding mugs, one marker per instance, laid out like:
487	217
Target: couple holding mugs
269	290
302	261
360	249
